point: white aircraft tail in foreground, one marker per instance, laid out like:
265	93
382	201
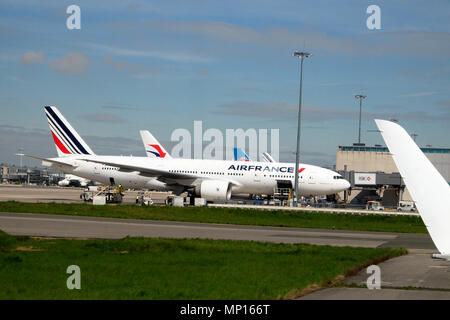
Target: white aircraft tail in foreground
427	187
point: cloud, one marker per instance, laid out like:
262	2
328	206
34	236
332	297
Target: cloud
203	73
16	79
177	56
445	104
253	89
103	117
417	94
122	65
283	111
32	141
138	71
115	146
418	43
310	113
73	63
120	106
32	57
217	30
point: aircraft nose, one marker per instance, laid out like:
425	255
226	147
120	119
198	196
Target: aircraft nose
343	185
346	184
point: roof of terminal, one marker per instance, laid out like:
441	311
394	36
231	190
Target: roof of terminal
385	149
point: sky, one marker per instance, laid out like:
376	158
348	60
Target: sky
161	65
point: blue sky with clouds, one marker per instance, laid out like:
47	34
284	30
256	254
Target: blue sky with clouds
161	65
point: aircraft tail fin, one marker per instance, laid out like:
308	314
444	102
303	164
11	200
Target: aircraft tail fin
67	140
153	148
267	157
426	185
240	155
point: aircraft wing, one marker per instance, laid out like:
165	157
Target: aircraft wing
151	172
61	163
172	178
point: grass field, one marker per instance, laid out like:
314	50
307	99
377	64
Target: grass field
411	224
138	268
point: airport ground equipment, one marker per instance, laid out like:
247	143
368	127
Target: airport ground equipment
99	200
144	198
177	202
374	205
407	206
199	202
283	193
110	193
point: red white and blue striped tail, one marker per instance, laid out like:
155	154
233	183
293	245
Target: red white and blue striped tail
67	140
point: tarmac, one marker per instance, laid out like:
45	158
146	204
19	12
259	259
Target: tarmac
72	195
410	277
60	194
65	226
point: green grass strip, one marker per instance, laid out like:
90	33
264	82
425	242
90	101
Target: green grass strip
299	219
142	268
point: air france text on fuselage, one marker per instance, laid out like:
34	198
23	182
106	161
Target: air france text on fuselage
261	168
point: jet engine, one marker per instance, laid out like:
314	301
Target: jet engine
212	190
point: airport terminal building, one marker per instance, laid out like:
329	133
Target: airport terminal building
12	174
371	169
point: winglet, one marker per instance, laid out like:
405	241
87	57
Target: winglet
428	188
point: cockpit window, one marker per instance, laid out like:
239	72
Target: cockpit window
338	177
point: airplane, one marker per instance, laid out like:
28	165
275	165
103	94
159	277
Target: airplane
154	149
72	180
429	190
210	179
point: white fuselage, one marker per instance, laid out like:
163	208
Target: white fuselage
245	177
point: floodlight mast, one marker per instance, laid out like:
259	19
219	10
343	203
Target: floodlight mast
360	97
301	55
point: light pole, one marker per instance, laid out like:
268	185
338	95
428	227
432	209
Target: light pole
301	55
21	157
360	97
